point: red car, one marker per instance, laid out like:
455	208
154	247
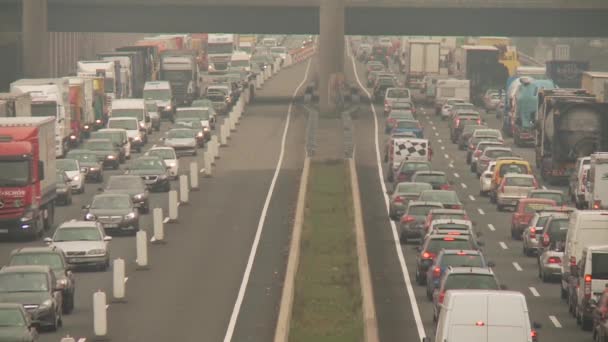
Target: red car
524	211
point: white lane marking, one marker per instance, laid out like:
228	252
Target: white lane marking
456	175
107	306
431	122
153	146
534	291
434	128
436	134
256	241
491	227
544	187
82	339
464	186
503	245
471	197
517	267
446	156
126	279
439	141
555	322
481	212
166	219
451	165
443	147
399	250
201	170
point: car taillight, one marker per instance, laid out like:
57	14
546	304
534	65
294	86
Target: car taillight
448	239
597	204
413	110
456	206
477	153
407	219
428	255
457	122
546	240
572	261
445	187
471	147
534	335
588	286
479	121
554	260
441	297
532	232
437	272
398	199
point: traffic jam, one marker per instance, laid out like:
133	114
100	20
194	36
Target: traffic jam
495	185
85	159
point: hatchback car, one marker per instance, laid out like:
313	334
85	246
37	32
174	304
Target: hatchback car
467	132
437	179
134	186
411	224
443	214
183	140
458	122
514	186
120	139
89	164
397	115
393	95
485	179
197	128
114	211
553	242
84	243
169	156
472	143
74	171
531	236
107	153
448	198
413	126
153	171
524	211
402	194
407	168
432	245
455	258
451	227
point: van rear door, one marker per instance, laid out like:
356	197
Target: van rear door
599	271
600	187
468	319
508	319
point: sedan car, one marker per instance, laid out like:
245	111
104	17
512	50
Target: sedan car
411	224
107	153
437	179
74	171
197	129
63	188
444	214
17	324
478	151
408	126
553	242
115	212
393	95
485	179
169	156
555	195
402	194
84	243
432	245
397	115
525	209
407	168
514	186
34	287
153	171
182	140
89	165
467	132
448	198
452	258
134	186
55	259
491	154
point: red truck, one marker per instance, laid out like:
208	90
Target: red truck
28	181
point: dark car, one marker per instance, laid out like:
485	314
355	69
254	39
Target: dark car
437	179
458	122
106	151
402	194
448	198
63	188
411	224
115	212
467	132
54	258
153	171
382	84
92	168
117	136
34	287
17	324
134	186
433	244
407	168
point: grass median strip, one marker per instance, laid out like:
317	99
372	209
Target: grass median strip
327	300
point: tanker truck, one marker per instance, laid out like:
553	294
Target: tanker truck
524	107
570	124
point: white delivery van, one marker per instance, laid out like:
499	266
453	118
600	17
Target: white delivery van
592	278
414	149
131	125
133	108
453	88
597	183
586	228
484	316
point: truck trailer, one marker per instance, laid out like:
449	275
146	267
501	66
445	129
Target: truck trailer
15	104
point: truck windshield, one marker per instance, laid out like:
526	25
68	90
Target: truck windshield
14	173
219	48
177	75
124	124
44	109
157	94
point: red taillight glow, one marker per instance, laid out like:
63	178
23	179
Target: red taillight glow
407	218
453	233
534	334
502	187
457	122
441	297
436	272
597	204
533	233
445	187
480	323
583	182
461	253
535	183
479	121
448	239
471	147
588	286
477	153
398	199
554	260
572	261
546	240
427	255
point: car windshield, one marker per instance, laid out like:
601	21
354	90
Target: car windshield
83	157
488	133
540	223
462	260
201	114
451	226
23	282
66	164
460	106
157	94
454	216
148	164
407	124
163	153
125	182
180	134
202	103
420	210
107	135
430	178
519	181
110	202
401	105
471	281
128	113
442	196
398	93
534	207
599	266
513	168
77	234
493	154
436	245
470	128
558	229
412	188
52	260
124	124
416	167
105	145
483	145
189	123
10	317
558	198
475	140
401	115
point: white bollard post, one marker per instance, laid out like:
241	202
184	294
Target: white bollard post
184	192
194	173
227	129
215	149
141	241
100	315
223	138
208	167
173	205
68	338
232	121
119	282
159	223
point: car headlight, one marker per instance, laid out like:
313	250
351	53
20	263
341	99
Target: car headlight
97	121
83	169
167	107
28	215
96	252
76	178
93	169
111	157
72	137
206	129
171	164
130	216
199	134
139	196
89	217
86	127
46	304
137	138
62	283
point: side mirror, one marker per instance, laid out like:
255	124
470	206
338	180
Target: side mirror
48	240
491	264
40	170
107	238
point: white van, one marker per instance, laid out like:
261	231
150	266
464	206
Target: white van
592	275
135	108
597	183
586	228
452	88
131	125
484	316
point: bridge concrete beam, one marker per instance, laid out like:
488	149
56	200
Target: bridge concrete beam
34	38
331	52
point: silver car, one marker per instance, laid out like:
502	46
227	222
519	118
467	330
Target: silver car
84	243
531	235
183	141
485	179
514	187
403	193
490	154
552	251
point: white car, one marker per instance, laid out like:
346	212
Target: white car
182	140
84	243
447	106
131	125
485	180
394	95
74	171
169	156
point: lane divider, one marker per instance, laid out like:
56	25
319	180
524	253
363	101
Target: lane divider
517	267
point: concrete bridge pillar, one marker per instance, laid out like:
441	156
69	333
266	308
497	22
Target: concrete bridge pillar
35	38
331	53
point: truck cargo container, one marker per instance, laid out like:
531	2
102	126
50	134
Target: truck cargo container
110	70
597	182
596	83
423	61
566	74
15	104
77	104
149	55
181	70
480	65
133	64
524	107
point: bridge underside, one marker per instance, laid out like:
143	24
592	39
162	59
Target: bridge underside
97	17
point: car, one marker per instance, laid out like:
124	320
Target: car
485	179
208	105
153	171
578	181
442	214
407	168
411	223
591	280
402	194
471	144
17	324
132	185
55	259
397	115
460	107
444	107
467	132
183	140
137	138
524	211
205	114
490	154
600	321
531	236
490	133
196	127
455	258
220	96
458	122
451	227
491	100
448	198
438	179
402	105
514	187
432	245
107	152
479	150
84	243
63	188
89	164
393	95
153	113
120	139
115	211
552	241
555	195
74	172
380	87
408	126
34	287
169	156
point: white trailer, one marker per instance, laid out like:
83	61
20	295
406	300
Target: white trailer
15	104
597	182
453	88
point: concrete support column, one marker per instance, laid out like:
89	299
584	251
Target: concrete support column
34	37
331	53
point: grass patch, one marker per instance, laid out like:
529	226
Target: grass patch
327	301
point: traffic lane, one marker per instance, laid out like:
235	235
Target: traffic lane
396	321
259	312
517	271
193	281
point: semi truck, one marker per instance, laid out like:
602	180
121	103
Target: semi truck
508	55
133	66
523	109
77	106
181	70
28	184
110	70
50	97
570	124
480	65
149	55
15	104
423	61
566	74
219	51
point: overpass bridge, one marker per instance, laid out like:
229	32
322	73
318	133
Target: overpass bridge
332	19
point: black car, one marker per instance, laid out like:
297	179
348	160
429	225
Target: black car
433	244
115	212
153	171
54	258
106	151
34	287
381	86
89	163
63	188
133	186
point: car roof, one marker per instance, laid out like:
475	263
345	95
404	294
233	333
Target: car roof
455	221
498	147
547	191
122	118
77	224
470	270
430	172
456	251
160	148
443	236
423	203
11	306
447	211
25	268
36	250
518	175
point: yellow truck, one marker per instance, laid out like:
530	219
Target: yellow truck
508	53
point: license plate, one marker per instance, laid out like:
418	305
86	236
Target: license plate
3	231
111	225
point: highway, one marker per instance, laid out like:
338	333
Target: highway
402	317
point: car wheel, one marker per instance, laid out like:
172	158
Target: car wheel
56	322
544	277
115	166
